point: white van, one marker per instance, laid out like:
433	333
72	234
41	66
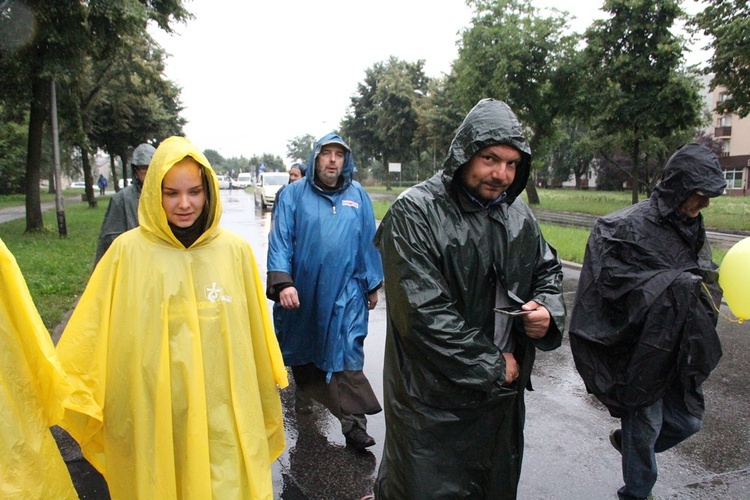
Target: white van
243	180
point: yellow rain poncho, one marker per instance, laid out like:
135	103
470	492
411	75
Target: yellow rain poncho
32	390
174	358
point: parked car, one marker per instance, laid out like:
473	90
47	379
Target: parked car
225	182
243	180
267	186
78	185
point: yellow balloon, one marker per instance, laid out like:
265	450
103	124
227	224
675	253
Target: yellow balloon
734	278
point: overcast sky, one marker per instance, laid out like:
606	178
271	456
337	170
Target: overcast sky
254	75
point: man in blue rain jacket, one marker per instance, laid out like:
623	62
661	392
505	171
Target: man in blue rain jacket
324	271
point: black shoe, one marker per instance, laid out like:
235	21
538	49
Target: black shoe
615	437
303	406
359	439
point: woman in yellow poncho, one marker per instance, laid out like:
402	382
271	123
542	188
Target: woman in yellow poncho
32	390
171	351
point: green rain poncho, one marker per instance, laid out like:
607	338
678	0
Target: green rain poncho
453	430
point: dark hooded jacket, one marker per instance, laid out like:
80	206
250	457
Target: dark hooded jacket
642	318
454	430
122	211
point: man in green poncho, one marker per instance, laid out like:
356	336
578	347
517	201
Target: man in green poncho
122	211
454	249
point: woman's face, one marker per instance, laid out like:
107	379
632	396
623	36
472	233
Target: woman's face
183	195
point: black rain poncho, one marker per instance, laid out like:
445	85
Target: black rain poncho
642	319
453	429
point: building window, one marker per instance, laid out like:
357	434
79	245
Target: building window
734	178
725	149
724	121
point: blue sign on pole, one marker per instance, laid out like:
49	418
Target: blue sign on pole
262	167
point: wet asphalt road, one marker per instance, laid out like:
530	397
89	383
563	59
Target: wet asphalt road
567	454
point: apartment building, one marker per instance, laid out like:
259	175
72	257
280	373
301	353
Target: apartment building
733	133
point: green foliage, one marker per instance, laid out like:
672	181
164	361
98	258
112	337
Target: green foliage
517	54
78	45
727	22
135	103
380	207
572	153
639	100
300	148
383	118
215	159
13	141
235	165
273	163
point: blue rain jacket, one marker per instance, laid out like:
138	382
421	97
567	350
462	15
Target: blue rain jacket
324	241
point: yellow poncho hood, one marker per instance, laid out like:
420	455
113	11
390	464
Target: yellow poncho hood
174	359
32	390
151	216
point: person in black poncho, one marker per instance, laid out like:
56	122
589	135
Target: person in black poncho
643	327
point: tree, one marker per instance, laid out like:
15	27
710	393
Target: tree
12	160
438	114
572	155
639	97
215	159
300	148
727	22
273	163
514	54
383	116
136	103
56	40
237	165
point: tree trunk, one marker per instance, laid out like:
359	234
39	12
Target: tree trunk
34	220
81	138
125	158
113	170
87	175
635	176
531	191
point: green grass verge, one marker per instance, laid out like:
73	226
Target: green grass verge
570	242
725	212
56	269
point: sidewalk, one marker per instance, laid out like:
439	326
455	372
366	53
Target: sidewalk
19	211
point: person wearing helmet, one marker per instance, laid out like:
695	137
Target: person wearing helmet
122	211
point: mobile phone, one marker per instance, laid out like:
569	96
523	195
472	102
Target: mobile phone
512	311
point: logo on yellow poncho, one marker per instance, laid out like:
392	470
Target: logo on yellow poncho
215	294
